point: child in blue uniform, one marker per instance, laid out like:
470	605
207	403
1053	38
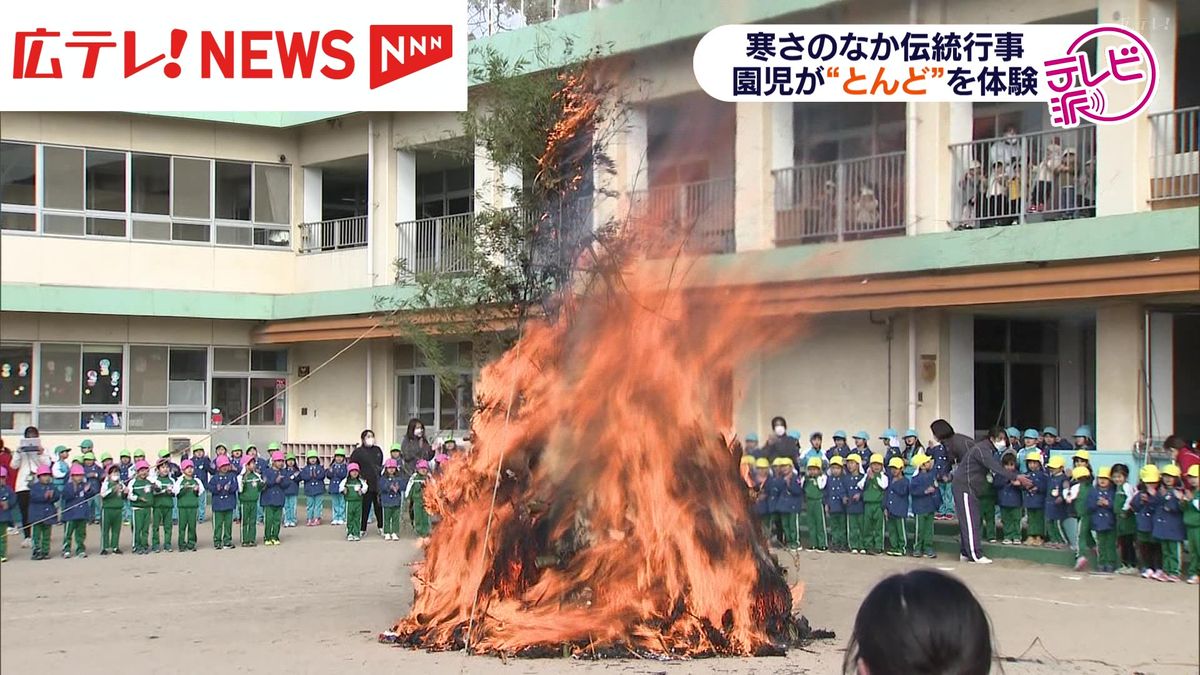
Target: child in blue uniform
1034	499
338	470
93	474
224	488
291	489
1104	520
313	477
896	508
941	472
202	468
925	501
272	499
125	465
43	511
77	511
391	493
762	504
1055	507
1168	523
1009	498
1143	504
839	449
788	501
855	480
835	504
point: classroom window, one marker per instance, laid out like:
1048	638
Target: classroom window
63	178
188	377
150	184
191	188
272	194
232	191
445	404
268	403
16	375
59	375
229	396
231	359
103	374
18	222
18	176
105	180
148	379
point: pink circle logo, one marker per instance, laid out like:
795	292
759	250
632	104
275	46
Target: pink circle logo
1119	86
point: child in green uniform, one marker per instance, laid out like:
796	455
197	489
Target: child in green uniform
1077	497
814	504
1191	522
835	502
112	507
141	498
1126	522
987	509
416	492
188	489
926	498
874	489
855	482
164	503
762	505
354	487
250	486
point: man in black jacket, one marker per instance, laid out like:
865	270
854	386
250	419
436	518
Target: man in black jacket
973	462
369	458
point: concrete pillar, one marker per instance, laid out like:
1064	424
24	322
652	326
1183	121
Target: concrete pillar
1071	377
382	207
956	372
312	194
1123	163
495	186
627	152
1119	349
763	142
1162	375
932	173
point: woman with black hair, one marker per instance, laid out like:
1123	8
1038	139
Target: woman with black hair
414	447
923	622
369	458
779	443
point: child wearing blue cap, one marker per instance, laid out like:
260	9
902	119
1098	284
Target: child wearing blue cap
839	449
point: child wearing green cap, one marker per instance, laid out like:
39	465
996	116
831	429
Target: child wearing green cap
112	504
250	486
141	497
235	460
291	489
337	472
313	477
164	505
188	489
415	493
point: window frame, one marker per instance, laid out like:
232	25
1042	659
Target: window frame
418	370
247	375
34	385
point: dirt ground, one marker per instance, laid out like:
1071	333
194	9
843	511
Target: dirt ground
316	604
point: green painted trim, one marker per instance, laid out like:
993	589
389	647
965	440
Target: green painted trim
1133	234
629	26
1122	236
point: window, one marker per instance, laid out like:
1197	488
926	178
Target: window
18	181
445	193
148	379
59	374
18	222
174	380
105	176
229	396
150	184
191	190
445	405
268	360
272	193
63	178
268	404
234	359
233	191
188	375
16	375
243	393
102	375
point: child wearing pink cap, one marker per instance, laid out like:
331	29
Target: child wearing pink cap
415	493
354	487
112	505
274	486
141	498
224	488
391	493
187	489
43	511
250	486
77	496
164	504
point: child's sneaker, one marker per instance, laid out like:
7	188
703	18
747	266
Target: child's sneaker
930	554
66	554
81	554
103	551
1081	564
1194	579
1158	575
1172	579
167	548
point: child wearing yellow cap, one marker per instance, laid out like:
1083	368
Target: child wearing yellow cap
1078	525
1143	504
854	481
788	501
925	501
1191	521
1103	519
762	473
835	506
814	504
1034	499
896	508
1055	507
1168	522
874	489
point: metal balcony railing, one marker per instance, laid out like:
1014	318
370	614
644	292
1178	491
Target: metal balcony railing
833	201
702	213
437	245
1048	175
333	235
1176	160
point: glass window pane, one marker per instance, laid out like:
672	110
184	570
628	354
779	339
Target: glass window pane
272	237
148	381
990	394
269	360
460	179
55	224
18	222
63	184
103	375
146	420
234	236
991	335
231	359
92	420
105	180
272	194
18	183
105	227
190	189
151	184
456	404
233	191
152	230
189	232
16	374
59	375
186	421
1035	337
188	376
229	397
15	420
59	420
261	391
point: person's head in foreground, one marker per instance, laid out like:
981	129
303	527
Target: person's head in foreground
922	622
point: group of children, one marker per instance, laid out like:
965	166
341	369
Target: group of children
859	501
243	488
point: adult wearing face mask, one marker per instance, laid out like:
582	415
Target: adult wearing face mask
780	444
369	458
414	447
973	461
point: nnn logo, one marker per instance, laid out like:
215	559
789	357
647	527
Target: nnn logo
397	51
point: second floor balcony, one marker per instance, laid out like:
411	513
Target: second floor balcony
699	213
840	200
1176	161
334	235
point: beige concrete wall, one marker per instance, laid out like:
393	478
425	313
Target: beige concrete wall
336	138
335	396
331	270
1120	345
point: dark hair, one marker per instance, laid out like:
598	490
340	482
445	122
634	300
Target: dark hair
1120	468
996	432
922	622
364	433
941	429
412	425
777	420
31	432
1172	442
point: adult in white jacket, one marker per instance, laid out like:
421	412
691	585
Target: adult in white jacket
26	464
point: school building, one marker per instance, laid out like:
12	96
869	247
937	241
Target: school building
164	275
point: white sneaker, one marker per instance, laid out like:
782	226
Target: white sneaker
983	560
963	558
25	543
